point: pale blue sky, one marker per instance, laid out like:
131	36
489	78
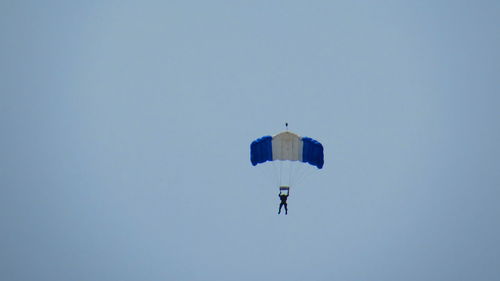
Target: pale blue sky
125	132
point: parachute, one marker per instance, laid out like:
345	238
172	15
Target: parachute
290	153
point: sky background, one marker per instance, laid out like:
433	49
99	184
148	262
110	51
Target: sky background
125	129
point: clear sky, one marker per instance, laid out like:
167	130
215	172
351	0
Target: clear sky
125	129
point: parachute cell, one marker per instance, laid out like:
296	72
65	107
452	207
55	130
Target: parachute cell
261	150
313	152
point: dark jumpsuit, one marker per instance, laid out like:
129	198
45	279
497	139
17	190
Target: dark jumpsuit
283	198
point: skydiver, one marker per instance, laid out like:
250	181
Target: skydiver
283	198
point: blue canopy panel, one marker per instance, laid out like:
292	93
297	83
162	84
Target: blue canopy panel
261	150
312	152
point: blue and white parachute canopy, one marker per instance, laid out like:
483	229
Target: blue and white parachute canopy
287	146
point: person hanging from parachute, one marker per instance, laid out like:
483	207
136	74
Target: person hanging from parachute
283	198
287	147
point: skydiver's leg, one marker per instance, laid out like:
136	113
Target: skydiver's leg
279	211
286	209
